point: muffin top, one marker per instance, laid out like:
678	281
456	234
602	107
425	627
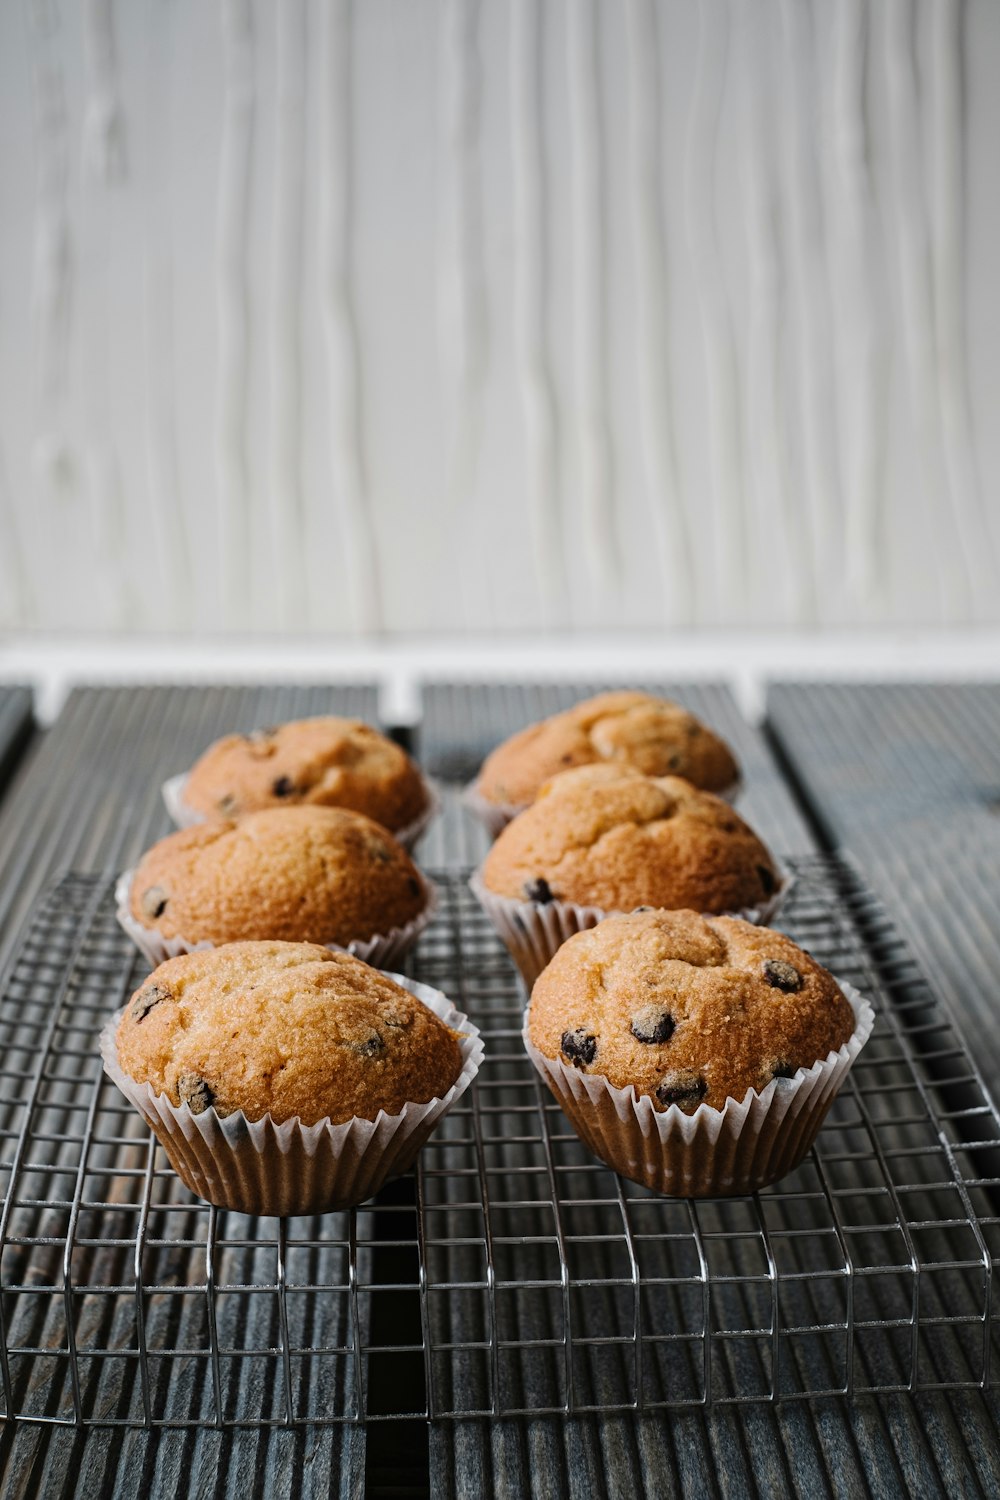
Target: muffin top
286	1029
324	762
655	736
610	837
302	874
687	1009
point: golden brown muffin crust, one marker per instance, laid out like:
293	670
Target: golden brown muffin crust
286	1029
689	1010
609	837
302	874
654	735
323	762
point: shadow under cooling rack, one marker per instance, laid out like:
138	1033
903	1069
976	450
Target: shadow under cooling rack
544	1282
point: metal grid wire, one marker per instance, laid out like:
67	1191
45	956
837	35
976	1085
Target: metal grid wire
535	1279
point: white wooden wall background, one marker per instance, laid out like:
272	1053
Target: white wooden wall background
448	314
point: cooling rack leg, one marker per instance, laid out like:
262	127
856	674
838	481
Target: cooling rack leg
706	1292
213	1327
140	1308
352	1272
636	1292
772	1272
282	1280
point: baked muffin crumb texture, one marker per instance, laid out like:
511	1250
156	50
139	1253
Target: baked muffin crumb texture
318	874
686	1008
286	1029
608	836
653	735
324	761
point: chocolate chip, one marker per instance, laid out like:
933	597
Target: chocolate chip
283	787
767	880
154	902
228	805
413	886
673	762
538	890
783	1070
372	1046
651	1024
195	1093
147	999
781	976
579	1047
684	1089
642	908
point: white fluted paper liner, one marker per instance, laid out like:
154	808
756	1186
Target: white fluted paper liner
259	1167
711	1153
409	835
382	951
495	816
172	792
532	932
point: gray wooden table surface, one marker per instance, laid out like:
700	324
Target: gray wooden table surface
907	777
86	795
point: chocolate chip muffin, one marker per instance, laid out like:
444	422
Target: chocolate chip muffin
687	1010
301	874
652	735
606	836
698	1056
288	1030
321	762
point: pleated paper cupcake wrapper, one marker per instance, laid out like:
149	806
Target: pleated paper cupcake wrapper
259	1167
495	816
533	932
409	835
381	951
711	1153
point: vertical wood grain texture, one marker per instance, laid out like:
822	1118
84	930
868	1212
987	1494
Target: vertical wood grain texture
104	141
911	251
531	306
863	366
53	460
15	605
340	326
597	507
463	307
727	504
285	510
700	296
164	511
103	174
236	495
815	413
776	522
667	507
928	308
946	228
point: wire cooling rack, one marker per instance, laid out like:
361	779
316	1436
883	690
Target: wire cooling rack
514	1273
